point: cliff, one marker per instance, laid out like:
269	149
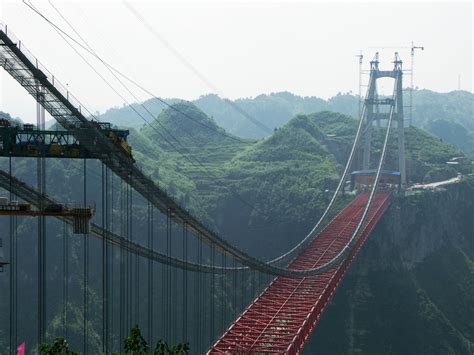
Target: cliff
411	289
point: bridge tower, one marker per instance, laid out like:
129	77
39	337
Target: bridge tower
375	111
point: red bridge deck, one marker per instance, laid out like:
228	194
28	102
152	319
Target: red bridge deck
282	318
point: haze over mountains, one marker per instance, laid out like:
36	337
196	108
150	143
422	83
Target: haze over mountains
448	115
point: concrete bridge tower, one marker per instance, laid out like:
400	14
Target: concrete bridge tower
375	111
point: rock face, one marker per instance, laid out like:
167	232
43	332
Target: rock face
411	289
417	226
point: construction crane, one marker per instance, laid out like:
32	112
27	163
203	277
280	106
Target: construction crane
361	57
412	49
412	54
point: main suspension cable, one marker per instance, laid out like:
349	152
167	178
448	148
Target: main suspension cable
129	79
190	156
257	264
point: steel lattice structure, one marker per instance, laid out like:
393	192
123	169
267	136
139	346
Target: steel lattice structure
282	318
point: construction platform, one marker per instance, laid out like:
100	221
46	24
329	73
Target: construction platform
81	215
26	140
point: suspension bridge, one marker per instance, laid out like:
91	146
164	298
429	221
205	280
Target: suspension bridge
240	304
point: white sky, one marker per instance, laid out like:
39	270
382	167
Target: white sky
242	48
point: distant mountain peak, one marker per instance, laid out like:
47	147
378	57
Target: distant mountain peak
186	113
185	126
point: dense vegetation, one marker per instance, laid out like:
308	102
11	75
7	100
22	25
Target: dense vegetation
446	115
266	191
134	344
279	182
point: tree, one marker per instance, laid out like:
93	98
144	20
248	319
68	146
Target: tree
135	344
163	348
59	346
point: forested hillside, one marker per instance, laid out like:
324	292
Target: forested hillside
446	115
276	184
267	191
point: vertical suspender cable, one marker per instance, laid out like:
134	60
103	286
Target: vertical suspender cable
129	262
152	275
65	278
127	265
13	263
41	227
212	282
260	282
137	266
15	278
128	287
173	293
253	284
111	264
103	257
105	281
149	274
168	278
12	276
195	323
86	272
164	268
185	284
166	284
109	261
122	269
243	287
199	318
234	290
223	296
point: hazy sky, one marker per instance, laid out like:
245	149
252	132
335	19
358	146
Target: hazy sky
242	49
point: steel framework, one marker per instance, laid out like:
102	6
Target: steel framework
282	318
30	142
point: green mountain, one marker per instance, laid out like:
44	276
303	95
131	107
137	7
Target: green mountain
394	299
446	115
264	195
277	183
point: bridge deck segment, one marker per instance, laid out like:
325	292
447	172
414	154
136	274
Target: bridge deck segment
283	316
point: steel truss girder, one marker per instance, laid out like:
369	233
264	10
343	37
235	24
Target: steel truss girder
281	319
